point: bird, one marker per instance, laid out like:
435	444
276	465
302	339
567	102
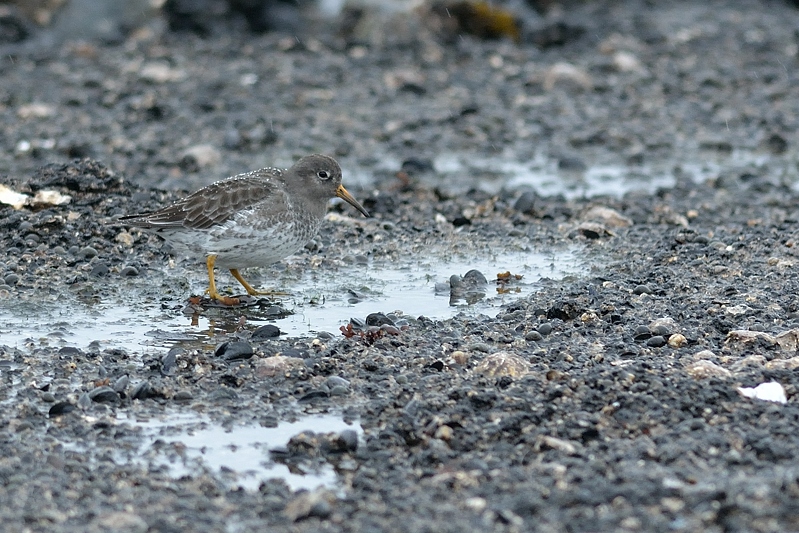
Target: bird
251	219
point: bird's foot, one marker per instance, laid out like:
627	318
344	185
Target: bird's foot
224	300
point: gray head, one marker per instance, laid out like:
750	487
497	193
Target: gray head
318	177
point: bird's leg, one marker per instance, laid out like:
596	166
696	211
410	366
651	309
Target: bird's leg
249	288
211	283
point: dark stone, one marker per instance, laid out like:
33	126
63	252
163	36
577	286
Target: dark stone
437	365
461	221
657	341
169	363
100	270
121	384
129	271
61	408
555	34
69	350
313	395
573	164
564	310
13	28
104	395
642	333
378	319
642	289
545	328
776	144
526	202
142	391
234	351
268	331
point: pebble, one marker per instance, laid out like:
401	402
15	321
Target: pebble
268	331
87	252
142	391
642	289
544	328
533	336
84	402
104	395
100	270
378	319
169	363
121	384
656	342
503	364
234	350
707	369
336	381
183	395
61	408
526	202
129	271
677	340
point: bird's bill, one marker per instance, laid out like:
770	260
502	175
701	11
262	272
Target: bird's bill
342	193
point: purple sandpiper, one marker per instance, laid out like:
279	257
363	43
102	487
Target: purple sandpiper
252	219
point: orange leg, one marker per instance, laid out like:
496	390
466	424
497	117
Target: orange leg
249	288
211	283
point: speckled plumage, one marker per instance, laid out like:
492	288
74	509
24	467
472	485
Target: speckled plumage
252	219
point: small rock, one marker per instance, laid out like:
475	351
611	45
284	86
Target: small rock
553	443
316	504
160	72
677	340
183	396
87	252
119	522
378	319
268	331
129	271
707	369
544	328
277	365
627	62
100	270
642	289
142	391
656	342
234	351
460	357
610	218
526	202
61	408
121	384
104	395
336	381
566	74
503	364
200	156
533	336
590	230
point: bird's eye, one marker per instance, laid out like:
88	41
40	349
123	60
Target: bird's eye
323	174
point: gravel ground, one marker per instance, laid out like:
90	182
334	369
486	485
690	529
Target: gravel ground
605	401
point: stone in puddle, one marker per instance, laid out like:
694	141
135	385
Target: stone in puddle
234	350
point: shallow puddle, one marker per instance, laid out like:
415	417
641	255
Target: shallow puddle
320	300
189	444
458	172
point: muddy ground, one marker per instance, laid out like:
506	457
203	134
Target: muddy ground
605	401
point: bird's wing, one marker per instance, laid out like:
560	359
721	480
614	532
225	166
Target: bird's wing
214	204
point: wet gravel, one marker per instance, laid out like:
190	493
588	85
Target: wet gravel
605	401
